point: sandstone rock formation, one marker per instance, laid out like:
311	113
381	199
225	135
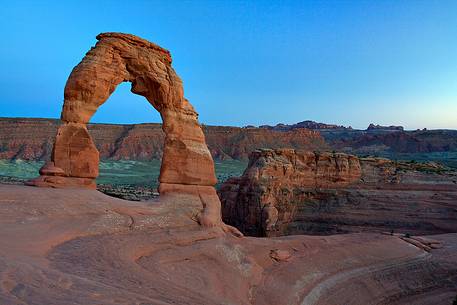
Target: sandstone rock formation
27	139
239	143
285	191
266	189
187	166
119	58
78	246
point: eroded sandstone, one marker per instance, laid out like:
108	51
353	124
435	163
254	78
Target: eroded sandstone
187	165
287	191
78	246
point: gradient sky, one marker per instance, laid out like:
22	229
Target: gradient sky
248	62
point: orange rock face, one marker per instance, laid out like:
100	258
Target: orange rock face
263	198
304	168
120	58
288	192
74	151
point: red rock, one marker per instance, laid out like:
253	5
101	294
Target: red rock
264	197
304	168
417	243
425	240
187	165
62	182
32	139
58	247
74	151
280	255
122	57
49	169
287	192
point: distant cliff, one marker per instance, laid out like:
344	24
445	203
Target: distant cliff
32	139
385	142
387	128
306	124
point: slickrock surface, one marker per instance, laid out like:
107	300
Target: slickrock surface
32	139
78	246
285	191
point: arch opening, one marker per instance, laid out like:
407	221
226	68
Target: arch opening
123	107
116	175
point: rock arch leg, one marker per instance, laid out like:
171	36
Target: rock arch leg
74	160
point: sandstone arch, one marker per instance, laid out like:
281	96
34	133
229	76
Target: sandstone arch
187	165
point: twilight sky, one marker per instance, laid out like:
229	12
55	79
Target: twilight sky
248	62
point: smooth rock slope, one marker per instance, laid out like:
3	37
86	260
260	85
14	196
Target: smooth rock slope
78	246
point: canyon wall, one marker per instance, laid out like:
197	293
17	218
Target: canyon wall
32	139
287	191
390	142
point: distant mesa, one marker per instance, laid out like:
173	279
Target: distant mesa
306	124
373	127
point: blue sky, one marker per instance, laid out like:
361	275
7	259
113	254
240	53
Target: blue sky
248	62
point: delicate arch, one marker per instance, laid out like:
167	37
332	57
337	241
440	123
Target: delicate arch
187	165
